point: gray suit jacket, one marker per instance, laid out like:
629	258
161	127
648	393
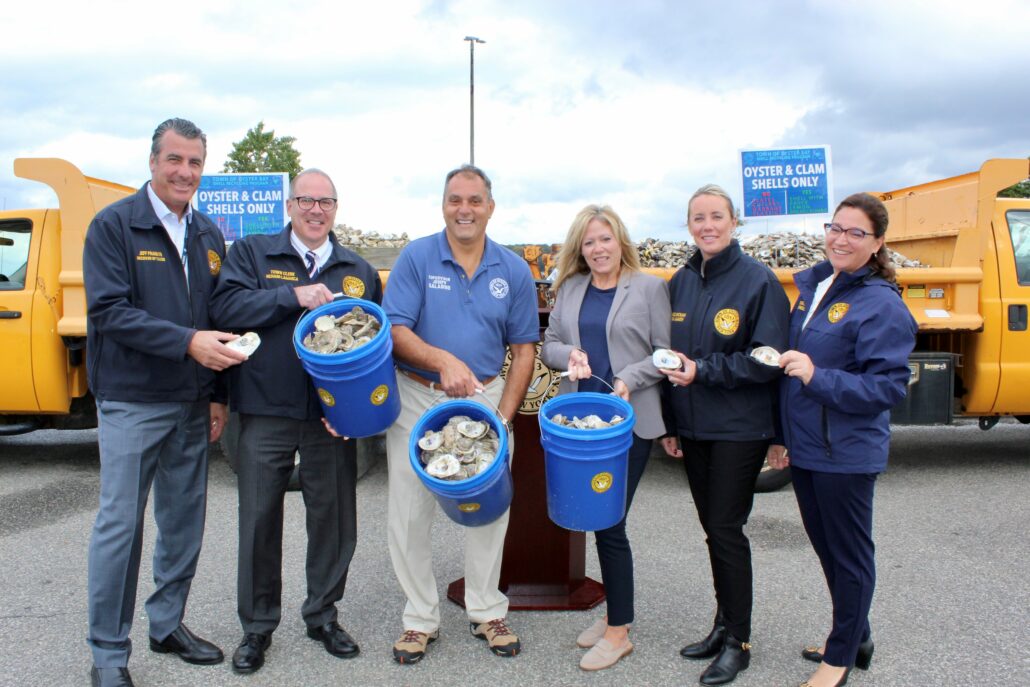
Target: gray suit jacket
638	323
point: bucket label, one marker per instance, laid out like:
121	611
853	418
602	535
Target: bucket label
601	482
354	287
379	395
468	507
327	398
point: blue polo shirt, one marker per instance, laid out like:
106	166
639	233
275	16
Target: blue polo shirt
473	319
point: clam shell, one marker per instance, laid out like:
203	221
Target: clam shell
443	466
246	344
767	355
430	441
664	359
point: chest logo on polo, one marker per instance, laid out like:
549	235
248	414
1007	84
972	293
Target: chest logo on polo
837	312
679	316
214	263
727	321
438	282
353	287
498	288
282	275
150	256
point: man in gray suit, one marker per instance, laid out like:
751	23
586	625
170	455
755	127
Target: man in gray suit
150	263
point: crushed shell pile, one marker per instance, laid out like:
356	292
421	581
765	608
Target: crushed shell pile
355	238
341	334
463	448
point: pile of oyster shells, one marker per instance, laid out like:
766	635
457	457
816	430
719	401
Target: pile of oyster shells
463	448
588	422
782	249
334	334
355	238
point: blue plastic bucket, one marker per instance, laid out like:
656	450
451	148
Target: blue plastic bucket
357	389
586	469
478	500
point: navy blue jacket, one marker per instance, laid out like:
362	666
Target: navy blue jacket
717	319
859	340
256	294
140	317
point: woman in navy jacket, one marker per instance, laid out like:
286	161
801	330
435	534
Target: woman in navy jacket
724	305
851	335
607	320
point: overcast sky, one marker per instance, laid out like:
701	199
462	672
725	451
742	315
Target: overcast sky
633	104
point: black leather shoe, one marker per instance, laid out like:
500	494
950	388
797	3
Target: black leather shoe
110	677
188	646
250	654
734	657
336	640
709	646
863	659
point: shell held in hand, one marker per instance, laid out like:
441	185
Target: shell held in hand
767	355
664	359
246	344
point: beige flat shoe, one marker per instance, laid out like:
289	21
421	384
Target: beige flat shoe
604	655
593	634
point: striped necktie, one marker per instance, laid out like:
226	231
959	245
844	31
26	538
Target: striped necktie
312	261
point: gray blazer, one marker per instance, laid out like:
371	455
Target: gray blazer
638	323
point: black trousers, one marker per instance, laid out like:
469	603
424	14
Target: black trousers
328	470
613	550
722	478
837	510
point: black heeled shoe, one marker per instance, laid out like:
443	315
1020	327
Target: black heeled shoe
734	657
710	645
863	659
840	683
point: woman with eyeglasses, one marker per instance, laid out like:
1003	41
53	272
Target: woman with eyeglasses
850	335
721	402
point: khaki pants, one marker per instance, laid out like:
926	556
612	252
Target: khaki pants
411	509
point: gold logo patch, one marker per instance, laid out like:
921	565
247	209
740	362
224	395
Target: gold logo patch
379	395
602	482
727	321
468	507
353	287
801	305
214	263
327	398
837	312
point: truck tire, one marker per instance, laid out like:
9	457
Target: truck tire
771	479
230	442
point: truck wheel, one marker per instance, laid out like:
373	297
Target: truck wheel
771	479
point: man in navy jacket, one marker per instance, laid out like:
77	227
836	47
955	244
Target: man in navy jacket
267	284
150	263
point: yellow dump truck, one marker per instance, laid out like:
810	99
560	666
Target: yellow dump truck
972	356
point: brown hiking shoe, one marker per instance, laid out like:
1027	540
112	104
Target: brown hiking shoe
498	635
411	646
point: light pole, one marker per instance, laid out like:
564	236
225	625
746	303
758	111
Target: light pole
472	96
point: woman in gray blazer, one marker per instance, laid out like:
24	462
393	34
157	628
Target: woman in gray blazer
608	318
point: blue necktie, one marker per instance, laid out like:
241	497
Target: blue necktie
312	261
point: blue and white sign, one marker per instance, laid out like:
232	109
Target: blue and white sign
787	181
244	204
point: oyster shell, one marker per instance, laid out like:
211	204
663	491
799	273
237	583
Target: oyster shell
246	344
430	441
455	442
325	323
664	359
767	355
443	466
472	429
588	422
353	329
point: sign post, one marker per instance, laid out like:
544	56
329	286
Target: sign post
787	182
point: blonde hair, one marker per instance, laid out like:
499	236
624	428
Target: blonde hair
570	257
718	192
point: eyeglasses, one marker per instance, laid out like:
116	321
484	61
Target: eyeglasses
307	202
854	233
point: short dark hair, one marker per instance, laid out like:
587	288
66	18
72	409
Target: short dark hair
183	127
873	208
469	170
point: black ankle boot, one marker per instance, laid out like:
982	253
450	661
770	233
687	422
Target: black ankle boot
734	657
710	645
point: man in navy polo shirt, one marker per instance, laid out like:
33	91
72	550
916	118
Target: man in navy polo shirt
456	301
267	283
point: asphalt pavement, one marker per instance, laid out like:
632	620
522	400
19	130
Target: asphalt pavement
952	605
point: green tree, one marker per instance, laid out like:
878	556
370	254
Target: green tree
1020	190
262	151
